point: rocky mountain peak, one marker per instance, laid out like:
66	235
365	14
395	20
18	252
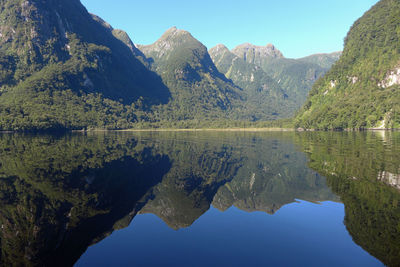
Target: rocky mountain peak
218	49
254	51
173	33
173	39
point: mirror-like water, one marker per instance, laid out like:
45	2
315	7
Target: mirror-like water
195	199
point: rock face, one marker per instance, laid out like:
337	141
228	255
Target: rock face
367	77
257	54
390	179
392	79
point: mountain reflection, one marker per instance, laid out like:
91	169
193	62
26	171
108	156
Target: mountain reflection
61	194
58	195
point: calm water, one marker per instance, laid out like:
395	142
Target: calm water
200	199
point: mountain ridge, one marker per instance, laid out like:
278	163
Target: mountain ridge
264	68
64	68
198	89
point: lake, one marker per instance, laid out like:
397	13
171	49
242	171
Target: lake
200	199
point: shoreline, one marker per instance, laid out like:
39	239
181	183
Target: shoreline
212	130
251	129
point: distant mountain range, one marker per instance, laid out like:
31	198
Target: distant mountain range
273	84
64	68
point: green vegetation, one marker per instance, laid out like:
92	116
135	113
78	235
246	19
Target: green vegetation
45	100
324	60
70	72
213	124
198	90
358	91
74	71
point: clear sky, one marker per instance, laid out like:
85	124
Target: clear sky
296	27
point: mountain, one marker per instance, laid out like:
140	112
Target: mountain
265	99
214	84
295	76
61	67
264	69
64	68
362	88
197	88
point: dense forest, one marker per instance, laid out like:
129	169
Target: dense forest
362	88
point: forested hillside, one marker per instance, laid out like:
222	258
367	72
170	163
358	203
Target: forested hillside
362	90
61	67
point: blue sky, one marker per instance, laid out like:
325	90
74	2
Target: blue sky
297	28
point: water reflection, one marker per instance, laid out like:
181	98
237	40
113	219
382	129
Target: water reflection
364	170
61	194
58	195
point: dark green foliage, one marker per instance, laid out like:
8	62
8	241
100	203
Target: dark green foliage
45	101
7	68
352	94
54	56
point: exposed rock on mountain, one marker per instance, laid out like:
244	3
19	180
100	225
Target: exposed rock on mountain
265	99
